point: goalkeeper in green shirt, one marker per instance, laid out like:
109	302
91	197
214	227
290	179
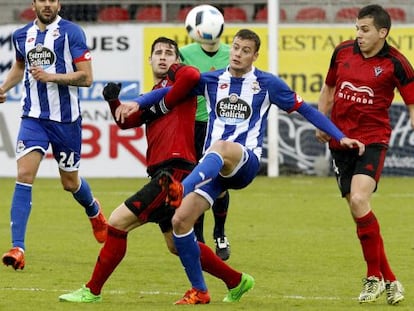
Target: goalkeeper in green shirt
207	57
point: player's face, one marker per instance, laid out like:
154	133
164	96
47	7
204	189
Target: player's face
242	55
46	10
370	39
162	58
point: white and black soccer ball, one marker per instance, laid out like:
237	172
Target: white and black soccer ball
204	23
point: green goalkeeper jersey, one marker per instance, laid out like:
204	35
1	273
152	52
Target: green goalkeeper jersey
192	54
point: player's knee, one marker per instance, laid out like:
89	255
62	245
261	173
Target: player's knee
70	186
175	222
179	224
25	177
220	147
358	200
172	249
70	181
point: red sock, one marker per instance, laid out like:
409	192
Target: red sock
109	257
369	235
213	264
385	266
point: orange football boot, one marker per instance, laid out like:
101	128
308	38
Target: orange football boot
194	297
14	258
174	189
99	225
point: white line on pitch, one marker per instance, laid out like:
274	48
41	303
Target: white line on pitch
123	292
310	297
112	292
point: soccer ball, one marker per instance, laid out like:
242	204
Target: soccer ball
204	23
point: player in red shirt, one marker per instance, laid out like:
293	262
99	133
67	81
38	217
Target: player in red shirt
170	149
358	91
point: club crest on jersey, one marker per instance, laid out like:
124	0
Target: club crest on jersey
41	56
233	110
378	70
256	87
56	33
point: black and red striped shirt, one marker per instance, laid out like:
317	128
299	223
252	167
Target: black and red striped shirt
364	90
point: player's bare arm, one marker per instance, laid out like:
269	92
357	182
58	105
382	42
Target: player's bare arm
14	76
81	77
325	103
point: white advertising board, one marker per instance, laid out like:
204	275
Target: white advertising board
107	151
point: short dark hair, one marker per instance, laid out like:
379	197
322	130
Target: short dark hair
381	17
247	34
166	41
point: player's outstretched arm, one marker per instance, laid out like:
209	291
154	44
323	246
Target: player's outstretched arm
160	101
325	103
323	123
185	78
111	93
164	99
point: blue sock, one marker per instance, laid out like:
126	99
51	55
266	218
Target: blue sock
20	212
208	168
189	253
85	198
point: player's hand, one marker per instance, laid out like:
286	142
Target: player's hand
353	143
124	110
111	91
39	74
321	136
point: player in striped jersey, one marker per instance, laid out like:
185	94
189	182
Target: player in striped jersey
208	57
53	60
238	102
170	148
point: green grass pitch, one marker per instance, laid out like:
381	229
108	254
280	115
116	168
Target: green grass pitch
294	234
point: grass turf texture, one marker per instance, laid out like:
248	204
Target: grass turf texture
293	234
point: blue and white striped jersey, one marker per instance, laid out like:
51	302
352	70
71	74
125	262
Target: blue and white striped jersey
238	107
56	49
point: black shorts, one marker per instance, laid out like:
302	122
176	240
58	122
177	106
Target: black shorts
148	204
199	138
347	163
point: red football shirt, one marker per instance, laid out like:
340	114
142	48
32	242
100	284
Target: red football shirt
172	135
364	91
